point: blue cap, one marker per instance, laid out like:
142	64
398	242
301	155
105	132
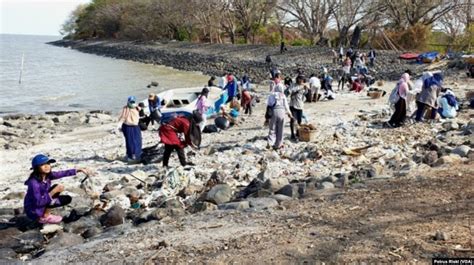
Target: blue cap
131	98
41	159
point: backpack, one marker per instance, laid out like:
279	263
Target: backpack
394	96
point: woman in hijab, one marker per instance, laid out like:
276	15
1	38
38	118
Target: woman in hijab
128	122
178	134
428	96
202	106
279	107
398	117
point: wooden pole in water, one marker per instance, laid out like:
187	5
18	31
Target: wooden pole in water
21	69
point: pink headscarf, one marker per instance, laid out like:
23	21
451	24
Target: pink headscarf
403	85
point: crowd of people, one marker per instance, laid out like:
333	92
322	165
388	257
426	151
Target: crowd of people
432	99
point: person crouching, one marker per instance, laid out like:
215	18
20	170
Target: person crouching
41	196
178	134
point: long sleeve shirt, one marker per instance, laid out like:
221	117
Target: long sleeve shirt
169	132
278	100
298	93
129	116
37	196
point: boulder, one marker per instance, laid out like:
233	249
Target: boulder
219	194
81	225
326	185
262	203
448	160
271	172
23	223
29	241
203	207
64	240
234	205
8	237
290	190
173	203
91	232
462	150
275	184
280	198
18	195
430	157
114	216
450	125
7	254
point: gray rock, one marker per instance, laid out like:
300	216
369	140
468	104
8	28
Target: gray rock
430	157
15	195
61	119
448	160
234	205
442	236
331	179
81	225
261	193
275	184
462	150
450	125
219	194
173	203
290	190
203	207
7	211
111	194
280	198
8	237
29	241
91	232
262	203
114	216
161	213
7	254
64	240
301	188
326	185
269	173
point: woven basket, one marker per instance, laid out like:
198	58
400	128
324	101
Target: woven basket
306	135
375	94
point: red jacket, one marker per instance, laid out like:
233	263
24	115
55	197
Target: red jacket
168	132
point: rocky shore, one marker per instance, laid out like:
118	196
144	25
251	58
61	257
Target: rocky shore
240	196
216	59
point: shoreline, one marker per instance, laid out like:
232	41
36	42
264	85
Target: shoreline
216	59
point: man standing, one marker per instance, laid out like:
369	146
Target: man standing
372	57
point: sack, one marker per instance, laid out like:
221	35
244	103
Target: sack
222	123
195	134
156	115
211	128
394	96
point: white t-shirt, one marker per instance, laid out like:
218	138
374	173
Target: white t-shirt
314	82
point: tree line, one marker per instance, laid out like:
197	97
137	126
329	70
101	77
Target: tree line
392	24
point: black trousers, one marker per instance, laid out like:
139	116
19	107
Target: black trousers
298	115
169	149
400	114
61	199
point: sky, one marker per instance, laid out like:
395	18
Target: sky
35	17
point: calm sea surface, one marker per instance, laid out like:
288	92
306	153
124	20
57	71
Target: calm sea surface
57	78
